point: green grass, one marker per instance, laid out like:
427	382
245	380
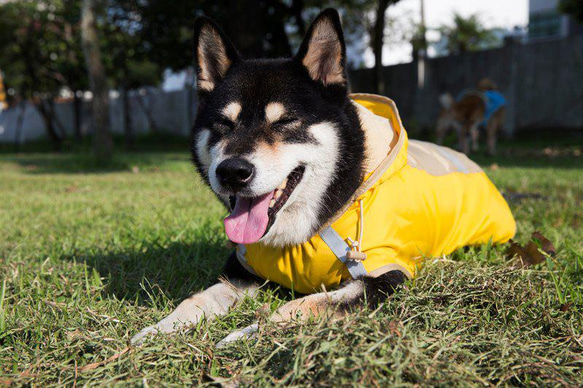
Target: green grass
90	256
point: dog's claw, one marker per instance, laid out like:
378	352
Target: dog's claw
248	332
138	339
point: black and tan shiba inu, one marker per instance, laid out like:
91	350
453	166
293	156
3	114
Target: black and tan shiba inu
327	195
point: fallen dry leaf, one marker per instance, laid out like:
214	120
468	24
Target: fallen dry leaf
534	252
494	167
545	244
395	328
514	250
135	169
106	361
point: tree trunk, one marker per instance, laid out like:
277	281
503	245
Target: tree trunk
19	122
77	115
103	142
378	42
420	49
148	112
47	116
127	119
53	112
32	74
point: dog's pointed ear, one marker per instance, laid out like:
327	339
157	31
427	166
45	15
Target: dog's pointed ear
323	51
214	54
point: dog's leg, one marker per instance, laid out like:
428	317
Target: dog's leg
214	301
475	135
459	128
337	303
443	125
373	291
463	139
494	125
491	133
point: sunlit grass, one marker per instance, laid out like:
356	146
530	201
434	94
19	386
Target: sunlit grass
90	256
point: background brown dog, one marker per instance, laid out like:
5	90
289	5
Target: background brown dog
466	114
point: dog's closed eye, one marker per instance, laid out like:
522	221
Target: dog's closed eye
285	121
224	124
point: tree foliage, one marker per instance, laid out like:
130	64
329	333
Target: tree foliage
573	8
258	28
467	34
40	44
41	53
142	38
40	40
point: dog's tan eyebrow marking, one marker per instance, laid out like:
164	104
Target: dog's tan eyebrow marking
232	111
274	111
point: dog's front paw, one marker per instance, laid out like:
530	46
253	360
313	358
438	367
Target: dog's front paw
167	325
139	338
248	332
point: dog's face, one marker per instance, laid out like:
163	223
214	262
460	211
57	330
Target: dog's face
278	141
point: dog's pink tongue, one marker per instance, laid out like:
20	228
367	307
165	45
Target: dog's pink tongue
249	219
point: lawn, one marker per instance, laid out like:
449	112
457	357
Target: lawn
89	256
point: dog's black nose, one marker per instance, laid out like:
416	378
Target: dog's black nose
235	173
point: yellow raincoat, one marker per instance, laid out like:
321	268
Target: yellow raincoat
422	201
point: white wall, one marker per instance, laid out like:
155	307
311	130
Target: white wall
169	110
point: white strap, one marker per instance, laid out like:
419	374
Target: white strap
339	247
